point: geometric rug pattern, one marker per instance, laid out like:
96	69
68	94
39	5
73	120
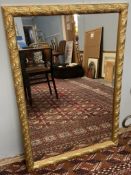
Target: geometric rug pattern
80	117
114	160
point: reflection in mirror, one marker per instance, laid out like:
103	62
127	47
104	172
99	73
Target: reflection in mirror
68	66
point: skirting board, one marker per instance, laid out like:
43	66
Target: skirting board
10	160
19	158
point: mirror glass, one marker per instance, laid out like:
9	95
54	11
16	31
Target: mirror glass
74	109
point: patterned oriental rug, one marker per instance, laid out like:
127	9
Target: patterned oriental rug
80	117
114	160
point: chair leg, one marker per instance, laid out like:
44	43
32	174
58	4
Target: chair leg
27	91
28	88
54	85
48	83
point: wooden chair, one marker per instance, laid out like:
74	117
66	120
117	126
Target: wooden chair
61	47
45	69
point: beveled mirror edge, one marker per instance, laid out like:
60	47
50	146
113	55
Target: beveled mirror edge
9	12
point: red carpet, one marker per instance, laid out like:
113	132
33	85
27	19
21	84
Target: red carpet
109	161
81	116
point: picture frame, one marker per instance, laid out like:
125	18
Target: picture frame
92	62
68	52
107	56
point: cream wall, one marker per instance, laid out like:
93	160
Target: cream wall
92	21
53	27
10	131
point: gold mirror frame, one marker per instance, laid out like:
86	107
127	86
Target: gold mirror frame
9	12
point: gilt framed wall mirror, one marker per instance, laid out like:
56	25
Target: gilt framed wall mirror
67	68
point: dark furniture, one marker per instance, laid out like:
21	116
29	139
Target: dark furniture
32	69
67	71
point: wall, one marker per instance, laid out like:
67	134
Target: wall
19	27
10	131
108	21
27	21
50	25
